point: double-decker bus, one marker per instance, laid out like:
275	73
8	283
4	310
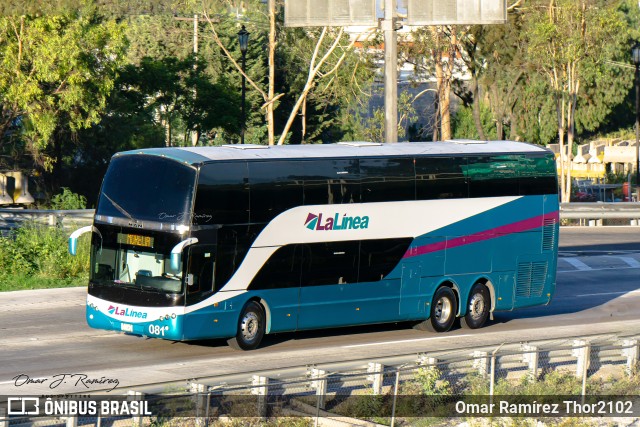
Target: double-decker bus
241	241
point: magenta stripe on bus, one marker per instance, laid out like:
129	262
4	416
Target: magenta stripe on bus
516	227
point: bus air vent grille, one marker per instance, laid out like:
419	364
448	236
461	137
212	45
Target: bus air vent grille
530	279
548	234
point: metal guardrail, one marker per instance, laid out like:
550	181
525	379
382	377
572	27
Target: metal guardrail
599	211
14	218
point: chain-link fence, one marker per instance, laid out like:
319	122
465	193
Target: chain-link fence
573	376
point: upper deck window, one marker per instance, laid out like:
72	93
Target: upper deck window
148	188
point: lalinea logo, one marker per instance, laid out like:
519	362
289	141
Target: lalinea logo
126	312
336	222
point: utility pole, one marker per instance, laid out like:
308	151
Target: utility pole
194	134
390	72
271	5
195	19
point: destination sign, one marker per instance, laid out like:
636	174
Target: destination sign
135	240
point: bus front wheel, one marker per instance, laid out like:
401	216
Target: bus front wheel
251	327
443	311
477	308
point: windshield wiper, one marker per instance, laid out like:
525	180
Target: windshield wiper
120	208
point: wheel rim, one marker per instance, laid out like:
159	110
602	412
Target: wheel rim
442	311
250	326
477	306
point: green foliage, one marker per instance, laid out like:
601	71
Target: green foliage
581	40
626	386
371	128
56	73
68	200
464	127
36	256
333	95
177	92
428	393
429	382
111	7
557	382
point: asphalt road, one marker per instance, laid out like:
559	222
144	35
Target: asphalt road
43	333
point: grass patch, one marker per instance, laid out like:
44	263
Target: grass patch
35	257
21	283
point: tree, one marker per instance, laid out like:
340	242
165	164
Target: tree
320	54
56	73
569	43
434	52
176	90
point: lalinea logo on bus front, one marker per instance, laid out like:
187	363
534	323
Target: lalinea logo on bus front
126	312
336	222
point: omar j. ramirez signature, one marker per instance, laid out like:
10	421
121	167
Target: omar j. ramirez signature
75	380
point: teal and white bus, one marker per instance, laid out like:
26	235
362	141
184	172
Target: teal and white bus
241	241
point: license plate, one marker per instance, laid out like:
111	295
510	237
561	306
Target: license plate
126	327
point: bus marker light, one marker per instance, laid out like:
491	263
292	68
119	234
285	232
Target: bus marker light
173	315
215	304
215	320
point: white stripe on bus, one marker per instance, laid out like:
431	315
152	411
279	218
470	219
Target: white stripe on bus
387	220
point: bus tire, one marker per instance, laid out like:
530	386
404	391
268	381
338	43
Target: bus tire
251	328
478	307
442	316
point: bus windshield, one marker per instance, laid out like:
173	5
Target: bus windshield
147	188
138	266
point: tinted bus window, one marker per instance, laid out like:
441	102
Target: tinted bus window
387	180
282	270
379	257
330	182
147	188
233	244
538	175
330	263
275	187
493	176
222	196
441	178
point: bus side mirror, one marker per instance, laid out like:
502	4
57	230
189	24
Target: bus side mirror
73	239
176	252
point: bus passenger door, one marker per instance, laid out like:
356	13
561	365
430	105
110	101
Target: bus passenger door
199	284
410	303
329	292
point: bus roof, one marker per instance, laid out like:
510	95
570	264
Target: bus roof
197	155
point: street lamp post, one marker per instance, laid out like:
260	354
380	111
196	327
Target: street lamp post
243	38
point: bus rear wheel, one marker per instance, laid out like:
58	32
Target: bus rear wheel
477	308
443	311
251	328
